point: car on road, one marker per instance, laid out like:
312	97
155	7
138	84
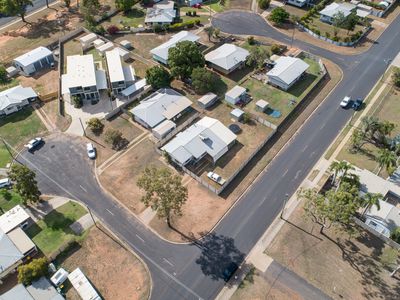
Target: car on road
345	102
215	177
32	144
357	104
91	151
5	183
229	271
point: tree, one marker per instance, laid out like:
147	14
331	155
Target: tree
369	125
204	81
183	58
257	56
15	7
340	168
164	192
125	5
357	140
3	75
371	199
77	101
279	16
339	19
350	22
210	31
158	77
384	131
396	77
24	183
34	270
276	49
95	125
263	4
114	138
89	9
386	158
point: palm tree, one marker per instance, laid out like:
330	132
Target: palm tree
369	125
341	168
386	158
384	131
371	199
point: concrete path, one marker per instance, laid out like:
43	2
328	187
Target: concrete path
40	210
147	215
83	223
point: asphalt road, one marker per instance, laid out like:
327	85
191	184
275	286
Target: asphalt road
196	271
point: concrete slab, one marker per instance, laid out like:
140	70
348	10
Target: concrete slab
82	224
261	261
41	209
147	215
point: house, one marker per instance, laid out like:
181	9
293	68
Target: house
206	137
236	94
34	61
207	100
120	77
298	3
15	98
286	72
383	220
227	58
82	285
163	129
161	13
164	104
124	54
160	53
39	290
14	218
237	114
97	43
328	14
82	79
87	40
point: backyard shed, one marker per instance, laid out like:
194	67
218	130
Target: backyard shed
234	95
237	114
261	105
106	47
163	129
207	100
34	60
97	43
126	44
124	54
87	40
12	71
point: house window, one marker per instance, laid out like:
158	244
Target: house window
87	88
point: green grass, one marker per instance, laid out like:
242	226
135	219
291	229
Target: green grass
133	18
53	231
9	199
13	82
216	6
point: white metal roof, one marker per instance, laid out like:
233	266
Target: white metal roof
287	69
81	71
162	12
235	92
82	285
13	218
332	9
237	112
164	127
161	105
33	56
97	43
207	98
105	47
206	136
114	65
134	87
262	103
21	240
387	214
15	95
88	38
16	293
227	56
162	50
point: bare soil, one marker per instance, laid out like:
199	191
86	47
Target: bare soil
50	108
43	83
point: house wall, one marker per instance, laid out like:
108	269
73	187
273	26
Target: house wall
86	92
15	107
278	83
140	121
159	59
36	66
326	19
193	2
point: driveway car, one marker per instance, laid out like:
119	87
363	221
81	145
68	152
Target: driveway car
5	183
91	151
34	143
215	177
345	102
357	104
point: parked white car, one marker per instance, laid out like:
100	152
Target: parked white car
32	144
5	183
91	151
215	177
345	102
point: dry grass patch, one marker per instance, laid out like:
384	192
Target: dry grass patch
43	83
51	110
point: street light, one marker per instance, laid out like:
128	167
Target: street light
284	204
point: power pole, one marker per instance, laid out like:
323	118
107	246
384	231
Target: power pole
91	215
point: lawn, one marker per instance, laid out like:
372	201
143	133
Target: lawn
9	199
132	18
216	6
53	231
13	82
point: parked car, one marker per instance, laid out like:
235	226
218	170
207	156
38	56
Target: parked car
32	144
229	271
5	183
197	5
345	102
91	151
215	177
357	104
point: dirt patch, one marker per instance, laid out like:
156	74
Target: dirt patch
50	109
43	83
240	4
117	276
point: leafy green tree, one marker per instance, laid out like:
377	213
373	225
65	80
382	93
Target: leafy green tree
340	169
204	81
125	5
371	199
264	4
183	58
15	7
339	19
114	138
158	77
34	270
279	16
89	9
3	75
276	49
77	101
396	77
357	140
257	56
369	126
95	125
24	183
351	22
164	192
387	159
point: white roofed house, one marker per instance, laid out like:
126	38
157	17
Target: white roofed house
328	14
286	72
206	137
35	60
82	79
160	53
164	104
120	76
161	13
298	3
15	98
227	58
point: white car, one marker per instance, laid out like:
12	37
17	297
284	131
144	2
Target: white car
345	102
91	152
215	177
5	183
32	144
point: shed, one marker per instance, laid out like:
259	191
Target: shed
261	105
126	44
97	43
12	71
34	60
59	277
124	54
87	40
234	95
15	217
106	47
207	100
163	129
237	114
82	285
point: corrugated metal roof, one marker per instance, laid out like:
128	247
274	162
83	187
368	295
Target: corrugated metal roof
9	253
33	56
82	285
287	69
15	95
227	56
162	50
114	65
13	218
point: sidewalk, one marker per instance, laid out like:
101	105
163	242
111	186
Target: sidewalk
40	210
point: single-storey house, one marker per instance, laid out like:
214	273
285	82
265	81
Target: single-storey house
40	289
328	14
385	219
15	98
235	94
206	137
124	54
160	53
14	218
161	13
126	44
34	60
164	104
207	100
97	43
105	47
237	114
286	72
82	79
163	129
298	3
87	40
120	77
227	58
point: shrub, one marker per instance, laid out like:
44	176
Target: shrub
276	49
395	235
112	29
3	75
264	4
278	16
396	77
347	39
189	13
95	125
157	28
77	101
194	13
251	40
246	118
327	34
317	32
32	271
100	30
114	138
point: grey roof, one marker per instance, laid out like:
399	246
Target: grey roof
33	56
162	12
161	105
15	95
237	112
227	56
287	69
9	253
387	214
235	92
16	293
207	98
21	240
332	9
43	290
134	87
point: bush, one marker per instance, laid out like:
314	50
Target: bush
114	138
77	101
264	4
112	29
347	39
327	34
194	13
3	75
278	16
317	32
32	271
246	118
395	235
157	28
100	30
95	125
396	77
251	40
186	24
276	49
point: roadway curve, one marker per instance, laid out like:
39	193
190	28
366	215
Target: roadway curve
195	271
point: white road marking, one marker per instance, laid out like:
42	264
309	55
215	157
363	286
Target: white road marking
312	154
139	238
285	173
304	149
297	174
83	188
168	262
109	211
